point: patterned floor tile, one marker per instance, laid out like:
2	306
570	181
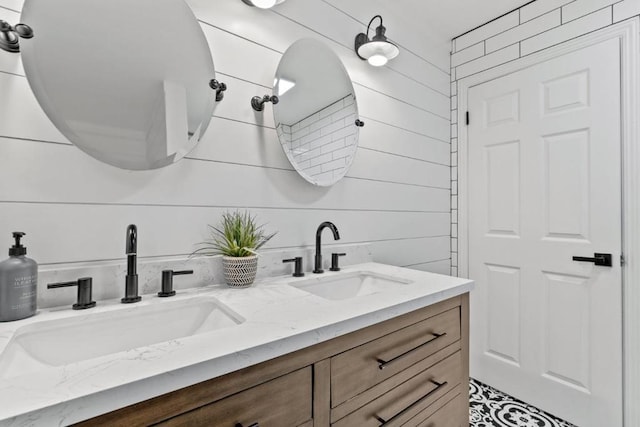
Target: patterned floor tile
492	408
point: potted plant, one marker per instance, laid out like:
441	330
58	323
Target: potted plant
237	239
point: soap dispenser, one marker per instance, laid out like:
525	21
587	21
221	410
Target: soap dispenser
18	283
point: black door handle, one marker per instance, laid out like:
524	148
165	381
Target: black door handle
598	259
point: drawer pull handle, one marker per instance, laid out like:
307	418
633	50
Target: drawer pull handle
408	408
252	425
384	363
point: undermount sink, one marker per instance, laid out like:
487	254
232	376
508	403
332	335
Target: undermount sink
350	285
63	341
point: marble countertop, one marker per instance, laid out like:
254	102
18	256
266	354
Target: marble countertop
277	319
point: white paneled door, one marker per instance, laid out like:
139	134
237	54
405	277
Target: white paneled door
544	187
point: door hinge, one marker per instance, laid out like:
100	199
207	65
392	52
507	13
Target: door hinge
622	260
467	117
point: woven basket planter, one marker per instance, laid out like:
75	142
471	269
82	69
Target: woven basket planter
240	272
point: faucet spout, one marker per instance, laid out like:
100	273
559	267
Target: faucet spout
336	236
131	280
132	240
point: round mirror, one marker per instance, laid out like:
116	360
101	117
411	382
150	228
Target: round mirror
316	116
127	81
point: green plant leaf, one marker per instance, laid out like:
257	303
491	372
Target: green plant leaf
237	236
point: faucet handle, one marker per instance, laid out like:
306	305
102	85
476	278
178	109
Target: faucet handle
297	267
334	261
84	285
167	282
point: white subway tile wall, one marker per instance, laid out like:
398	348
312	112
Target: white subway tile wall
492	59
490	29
533	27
568	30
468	54
540	7
323	144
625	9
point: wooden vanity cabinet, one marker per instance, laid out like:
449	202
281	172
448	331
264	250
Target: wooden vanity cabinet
412	370
284	401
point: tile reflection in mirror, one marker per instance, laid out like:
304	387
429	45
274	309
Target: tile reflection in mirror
317	113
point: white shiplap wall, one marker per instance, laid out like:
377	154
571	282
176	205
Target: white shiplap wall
529	29
396	196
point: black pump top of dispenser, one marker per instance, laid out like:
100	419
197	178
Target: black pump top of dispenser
17	249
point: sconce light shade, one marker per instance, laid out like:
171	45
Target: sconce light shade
262	4
377	51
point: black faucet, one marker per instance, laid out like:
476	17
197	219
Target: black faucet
336	236
131	281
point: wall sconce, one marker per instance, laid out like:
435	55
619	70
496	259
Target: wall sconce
378	50
262	4
9	36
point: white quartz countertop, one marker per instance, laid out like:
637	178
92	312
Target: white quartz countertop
278	319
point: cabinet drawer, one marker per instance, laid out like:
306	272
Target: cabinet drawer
445	412
447	416
282	402
358	369
407	400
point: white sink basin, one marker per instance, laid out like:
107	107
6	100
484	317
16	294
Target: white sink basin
350	285
63	341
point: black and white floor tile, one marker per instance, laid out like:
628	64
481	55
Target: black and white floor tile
492	408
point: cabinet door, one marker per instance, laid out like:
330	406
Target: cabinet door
284	401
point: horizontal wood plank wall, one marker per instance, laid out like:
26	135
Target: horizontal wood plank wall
396	196
533	27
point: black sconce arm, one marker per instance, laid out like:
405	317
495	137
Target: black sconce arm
9	36
219	87
371	22
258	103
